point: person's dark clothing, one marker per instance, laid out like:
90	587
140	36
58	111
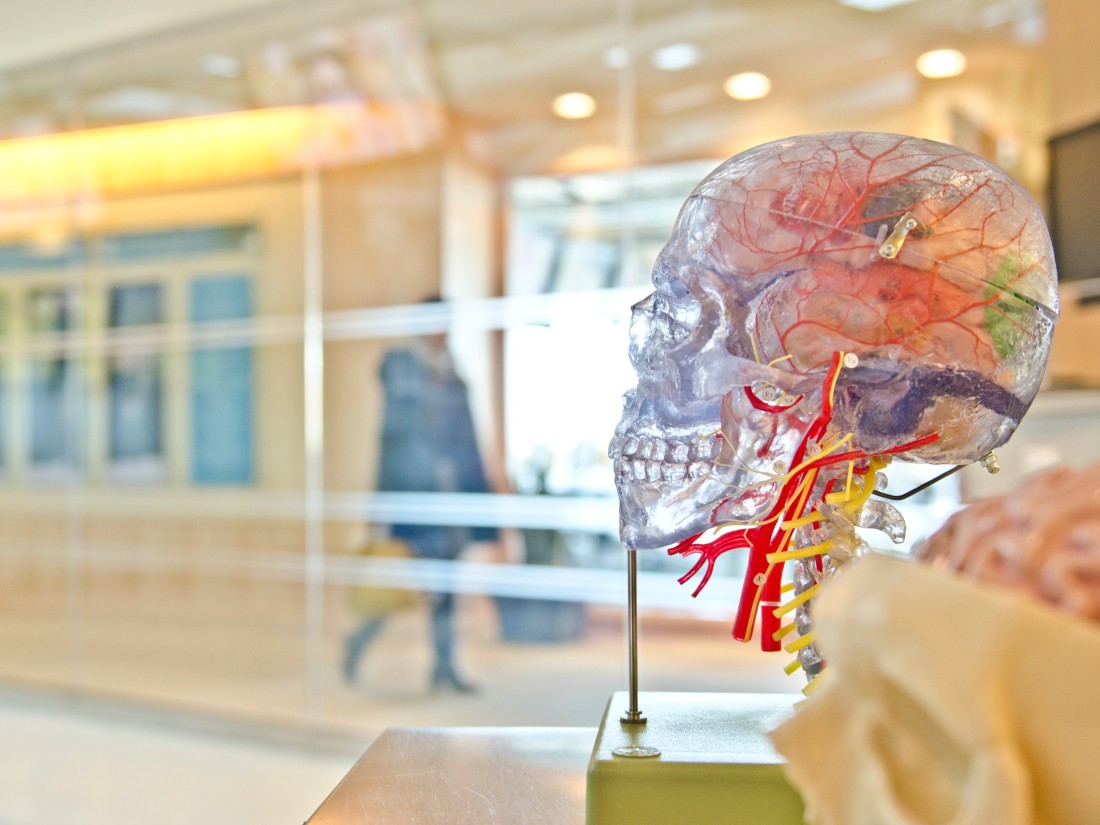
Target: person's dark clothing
428	446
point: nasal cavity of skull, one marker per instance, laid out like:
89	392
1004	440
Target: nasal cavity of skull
674	320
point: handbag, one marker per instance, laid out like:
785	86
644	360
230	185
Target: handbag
373	600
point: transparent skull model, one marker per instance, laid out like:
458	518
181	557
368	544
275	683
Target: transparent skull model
825	303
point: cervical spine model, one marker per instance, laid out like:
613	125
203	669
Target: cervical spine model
826	303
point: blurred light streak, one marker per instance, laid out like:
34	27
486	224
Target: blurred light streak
203	151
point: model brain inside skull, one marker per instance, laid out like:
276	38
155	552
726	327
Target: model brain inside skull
851	294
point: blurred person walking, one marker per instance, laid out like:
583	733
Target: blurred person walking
428	446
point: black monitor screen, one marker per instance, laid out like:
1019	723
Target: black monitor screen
1074	213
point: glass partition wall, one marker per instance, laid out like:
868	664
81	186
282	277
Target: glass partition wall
220	257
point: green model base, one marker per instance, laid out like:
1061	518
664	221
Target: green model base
716	764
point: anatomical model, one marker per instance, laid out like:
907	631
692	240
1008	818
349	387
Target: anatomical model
962	690
826	303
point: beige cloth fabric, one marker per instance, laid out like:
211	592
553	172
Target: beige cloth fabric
946	701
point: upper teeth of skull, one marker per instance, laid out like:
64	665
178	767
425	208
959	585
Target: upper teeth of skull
653	459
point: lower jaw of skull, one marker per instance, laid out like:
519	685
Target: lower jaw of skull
658	505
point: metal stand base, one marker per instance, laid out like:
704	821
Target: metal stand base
706	759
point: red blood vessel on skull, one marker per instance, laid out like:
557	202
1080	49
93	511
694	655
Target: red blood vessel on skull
825	303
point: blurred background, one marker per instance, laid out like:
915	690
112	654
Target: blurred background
216	221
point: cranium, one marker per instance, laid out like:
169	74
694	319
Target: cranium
861	293
945	701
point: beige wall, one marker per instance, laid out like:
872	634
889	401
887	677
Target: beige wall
1075	355
381	241
1074	59
380	226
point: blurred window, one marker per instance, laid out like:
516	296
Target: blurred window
221	388
115	328
590	239
22	257
134	247
136	388
54	391
5	413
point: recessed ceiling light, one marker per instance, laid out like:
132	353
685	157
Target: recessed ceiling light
574	105
941	63
748	86
873	5
675	56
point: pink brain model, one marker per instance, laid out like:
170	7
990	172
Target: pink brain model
1043	540
825	303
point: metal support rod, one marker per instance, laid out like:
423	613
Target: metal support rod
632	714
988	461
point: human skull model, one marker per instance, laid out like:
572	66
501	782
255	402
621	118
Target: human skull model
826	302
